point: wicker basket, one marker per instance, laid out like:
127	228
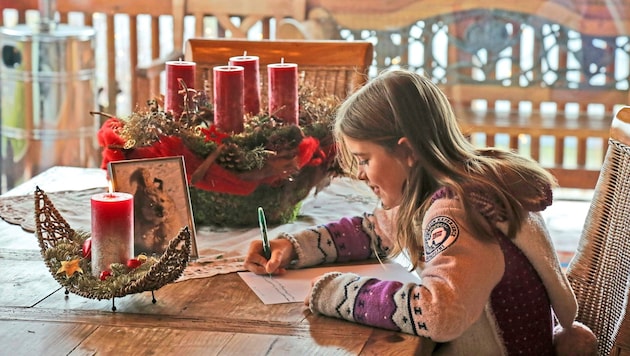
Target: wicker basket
54	232
281	201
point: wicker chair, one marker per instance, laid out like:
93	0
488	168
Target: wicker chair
600	270
337	67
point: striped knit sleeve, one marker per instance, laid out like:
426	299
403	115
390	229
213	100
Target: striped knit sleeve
356	297
349	239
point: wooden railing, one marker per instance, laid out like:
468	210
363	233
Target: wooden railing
541	77
221	18
138	36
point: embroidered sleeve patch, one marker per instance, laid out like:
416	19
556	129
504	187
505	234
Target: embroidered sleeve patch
441	233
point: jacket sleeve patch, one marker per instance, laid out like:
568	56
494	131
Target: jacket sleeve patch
440	233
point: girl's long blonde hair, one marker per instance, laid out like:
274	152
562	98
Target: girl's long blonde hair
400	103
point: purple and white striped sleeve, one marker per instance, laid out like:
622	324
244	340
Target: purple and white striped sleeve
349	239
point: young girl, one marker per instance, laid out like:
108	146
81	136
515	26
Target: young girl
467	218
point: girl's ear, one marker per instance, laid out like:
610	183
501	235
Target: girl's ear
407	151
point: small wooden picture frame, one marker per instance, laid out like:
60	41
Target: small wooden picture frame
161	201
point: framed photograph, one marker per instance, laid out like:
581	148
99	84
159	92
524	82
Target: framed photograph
161	201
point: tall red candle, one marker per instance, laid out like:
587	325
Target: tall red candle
228	98
251	75
283	92
176	70
112	230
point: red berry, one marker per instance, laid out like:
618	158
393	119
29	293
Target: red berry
133	263
105	274
87	248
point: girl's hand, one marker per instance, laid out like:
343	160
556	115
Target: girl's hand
282	253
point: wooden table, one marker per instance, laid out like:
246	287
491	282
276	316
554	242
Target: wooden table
206	316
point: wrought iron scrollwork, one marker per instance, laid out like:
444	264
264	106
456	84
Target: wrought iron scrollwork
501	47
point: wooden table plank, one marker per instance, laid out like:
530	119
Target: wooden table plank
13	237
324	336
201	323
165	341
242	344
24	283
19	337
153	340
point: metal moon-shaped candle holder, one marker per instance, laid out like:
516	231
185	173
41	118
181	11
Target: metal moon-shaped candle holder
63	252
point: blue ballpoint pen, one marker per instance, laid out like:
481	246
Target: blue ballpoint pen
263	231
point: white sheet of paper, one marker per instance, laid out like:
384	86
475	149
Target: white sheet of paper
293	286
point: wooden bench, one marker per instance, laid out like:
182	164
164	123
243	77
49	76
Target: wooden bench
336	67
540	77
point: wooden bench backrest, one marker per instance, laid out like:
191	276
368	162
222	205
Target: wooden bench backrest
338	67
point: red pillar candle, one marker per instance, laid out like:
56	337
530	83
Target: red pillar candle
176	70
251	91
283	92
228	98
112	230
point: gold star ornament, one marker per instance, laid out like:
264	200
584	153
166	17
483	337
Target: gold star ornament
70	267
